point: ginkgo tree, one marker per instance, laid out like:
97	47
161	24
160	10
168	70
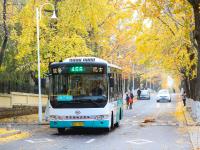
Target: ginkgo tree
157	35
166	41
82	28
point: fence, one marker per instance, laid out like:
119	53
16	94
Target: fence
21	99
16	86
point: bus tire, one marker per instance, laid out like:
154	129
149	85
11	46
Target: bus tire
107	129
61	130
120	114
117	124
111	124
112	121
120	117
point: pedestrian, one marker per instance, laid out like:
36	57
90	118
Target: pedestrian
138	93
131	100
127	101
184	98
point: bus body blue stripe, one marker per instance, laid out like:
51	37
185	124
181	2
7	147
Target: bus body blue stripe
87	124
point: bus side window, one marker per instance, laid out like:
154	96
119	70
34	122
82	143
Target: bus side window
120	83
115	87
111	86
111	82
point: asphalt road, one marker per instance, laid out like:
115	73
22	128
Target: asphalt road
166	133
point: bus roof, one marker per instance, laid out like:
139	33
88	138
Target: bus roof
114	66
87	60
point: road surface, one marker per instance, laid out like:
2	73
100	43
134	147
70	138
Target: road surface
165	132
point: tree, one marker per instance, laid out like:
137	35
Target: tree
5	28
196	32
165	39
75	33
160	38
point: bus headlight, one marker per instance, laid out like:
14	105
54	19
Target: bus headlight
53	117
101	117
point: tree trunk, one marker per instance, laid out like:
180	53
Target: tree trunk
5	40
195	5
187	87
197	38
192	88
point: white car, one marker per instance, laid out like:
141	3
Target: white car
163	95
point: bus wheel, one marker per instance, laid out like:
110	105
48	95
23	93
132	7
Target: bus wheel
112	122
107	129
118	123
120	115
61	130
111	126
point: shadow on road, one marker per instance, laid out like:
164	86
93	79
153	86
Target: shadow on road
85	131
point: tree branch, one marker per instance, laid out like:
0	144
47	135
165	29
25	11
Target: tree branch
170	15
167	26
192	2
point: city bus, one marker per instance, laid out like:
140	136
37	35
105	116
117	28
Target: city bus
85	92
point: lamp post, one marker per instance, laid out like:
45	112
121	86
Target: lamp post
38	18
133	73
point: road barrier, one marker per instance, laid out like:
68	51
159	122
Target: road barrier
22	99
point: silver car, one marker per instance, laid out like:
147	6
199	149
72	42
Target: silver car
145	95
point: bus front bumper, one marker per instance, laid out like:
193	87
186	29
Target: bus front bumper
80	124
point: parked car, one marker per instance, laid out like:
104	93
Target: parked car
145	95
163	96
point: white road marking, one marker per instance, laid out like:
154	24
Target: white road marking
30	141
139	141
41	140
90	141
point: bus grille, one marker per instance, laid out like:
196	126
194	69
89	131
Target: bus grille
77	117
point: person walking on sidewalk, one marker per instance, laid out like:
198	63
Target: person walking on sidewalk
184	98
131	100
127	101
138	93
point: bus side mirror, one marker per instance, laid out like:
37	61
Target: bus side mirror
111	82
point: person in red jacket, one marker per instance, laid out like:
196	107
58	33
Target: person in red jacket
127	101
131	100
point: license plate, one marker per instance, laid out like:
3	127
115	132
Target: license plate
77	124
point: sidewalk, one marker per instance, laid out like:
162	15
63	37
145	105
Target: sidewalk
20	127
7	134
23	120
193	130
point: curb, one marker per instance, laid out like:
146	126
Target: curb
189	122
188	118
6	123
161	124
10	134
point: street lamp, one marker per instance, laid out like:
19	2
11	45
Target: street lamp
38	18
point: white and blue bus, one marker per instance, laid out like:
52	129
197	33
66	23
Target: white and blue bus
85	92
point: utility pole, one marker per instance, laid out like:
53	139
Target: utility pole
38	18
133	82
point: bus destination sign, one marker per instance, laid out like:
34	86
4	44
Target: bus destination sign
79	69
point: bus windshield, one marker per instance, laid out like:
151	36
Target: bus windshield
78	88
